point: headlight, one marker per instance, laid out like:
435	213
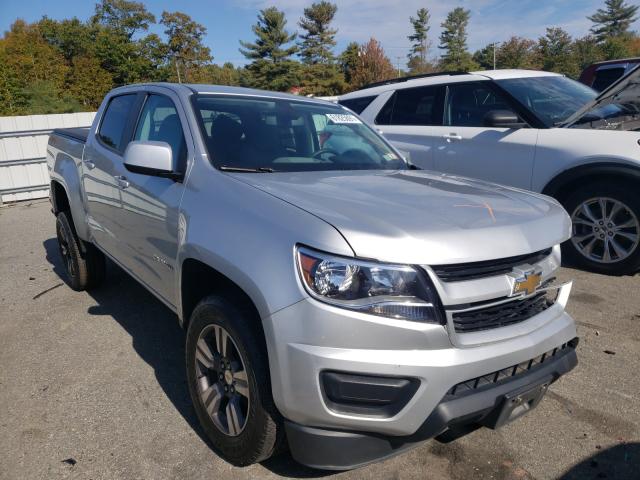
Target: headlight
394	291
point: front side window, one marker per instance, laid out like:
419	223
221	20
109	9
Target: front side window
605	77
468	103
286	135
159	121
552	99
413	106
114	121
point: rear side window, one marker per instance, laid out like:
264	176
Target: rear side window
606	77
414	106
357	105
114	121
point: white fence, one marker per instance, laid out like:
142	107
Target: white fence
23	148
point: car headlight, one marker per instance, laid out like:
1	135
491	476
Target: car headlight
394	291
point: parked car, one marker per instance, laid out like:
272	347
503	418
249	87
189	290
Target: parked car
601	75
532	130
327	290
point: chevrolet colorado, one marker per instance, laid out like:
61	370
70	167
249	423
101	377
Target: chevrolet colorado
335	298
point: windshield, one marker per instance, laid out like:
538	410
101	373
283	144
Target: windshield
260	134
551	99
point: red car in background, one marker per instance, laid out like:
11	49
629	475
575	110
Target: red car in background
602	74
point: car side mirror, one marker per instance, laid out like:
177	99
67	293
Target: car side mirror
502	119
151	158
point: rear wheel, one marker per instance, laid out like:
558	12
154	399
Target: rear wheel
84	263
605	229
229	383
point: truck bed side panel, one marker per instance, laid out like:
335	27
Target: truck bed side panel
64	162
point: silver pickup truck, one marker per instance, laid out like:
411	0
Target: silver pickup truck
335	298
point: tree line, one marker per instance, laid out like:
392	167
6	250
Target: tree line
53	66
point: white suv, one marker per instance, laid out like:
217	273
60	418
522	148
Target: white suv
533	130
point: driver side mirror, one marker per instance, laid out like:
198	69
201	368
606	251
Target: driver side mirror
502	119
151	158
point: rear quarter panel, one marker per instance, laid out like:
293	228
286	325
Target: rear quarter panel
64	161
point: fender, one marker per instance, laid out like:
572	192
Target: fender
65	173
224	268
598	169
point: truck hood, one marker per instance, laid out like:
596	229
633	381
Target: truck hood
418	217
626	91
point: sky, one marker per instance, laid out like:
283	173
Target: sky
228	21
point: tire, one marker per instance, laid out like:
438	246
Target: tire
593	233
257	432
84	263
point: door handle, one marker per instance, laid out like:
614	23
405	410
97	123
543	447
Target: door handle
89	164
122	181
452	136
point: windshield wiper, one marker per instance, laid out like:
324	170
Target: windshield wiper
226	168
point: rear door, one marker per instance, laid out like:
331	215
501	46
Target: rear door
147	221
407	119
464	146
101	161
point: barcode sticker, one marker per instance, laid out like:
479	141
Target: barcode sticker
342	118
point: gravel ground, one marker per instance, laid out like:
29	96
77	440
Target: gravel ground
92	386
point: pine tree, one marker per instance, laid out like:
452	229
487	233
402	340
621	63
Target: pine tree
614	20
349	61
319	74
453	40
419	42
318	38
271	67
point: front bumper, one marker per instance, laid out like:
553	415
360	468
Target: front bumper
341	450
309	337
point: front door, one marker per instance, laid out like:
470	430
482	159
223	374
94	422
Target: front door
148	219
464	146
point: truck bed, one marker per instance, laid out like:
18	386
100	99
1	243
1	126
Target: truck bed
79	134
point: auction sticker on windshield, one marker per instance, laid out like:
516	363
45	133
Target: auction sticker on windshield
342	118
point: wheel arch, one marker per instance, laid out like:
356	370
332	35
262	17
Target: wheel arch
199	279
562	183
59	198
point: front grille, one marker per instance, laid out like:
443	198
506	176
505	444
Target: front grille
474	270
510	373
500	315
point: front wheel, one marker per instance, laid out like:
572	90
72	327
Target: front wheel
605	229
229	383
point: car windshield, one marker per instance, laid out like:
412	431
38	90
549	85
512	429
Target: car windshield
552	99
263	134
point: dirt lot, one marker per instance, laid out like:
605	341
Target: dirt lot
92	386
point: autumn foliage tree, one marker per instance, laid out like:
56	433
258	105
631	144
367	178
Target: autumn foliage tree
372	65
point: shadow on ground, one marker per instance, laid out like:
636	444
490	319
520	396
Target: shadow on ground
618	462
159	340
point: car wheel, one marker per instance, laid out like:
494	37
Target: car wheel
605	229
84	263
229	382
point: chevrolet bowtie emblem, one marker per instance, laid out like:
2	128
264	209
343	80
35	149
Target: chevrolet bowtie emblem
525	282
